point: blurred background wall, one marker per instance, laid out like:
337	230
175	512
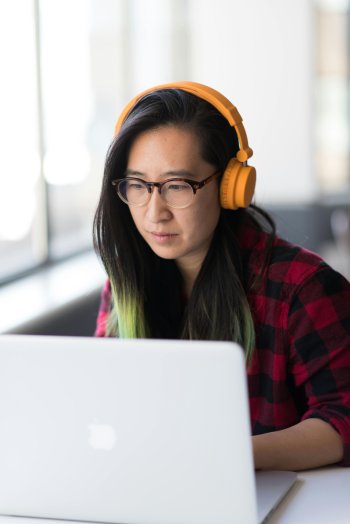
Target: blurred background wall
70	66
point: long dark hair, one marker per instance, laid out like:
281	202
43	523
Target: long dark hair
146	289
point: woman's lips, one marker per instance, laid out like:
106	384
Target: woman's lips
162	238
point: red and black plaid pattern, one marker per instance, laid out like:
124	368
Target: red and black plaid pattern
301	365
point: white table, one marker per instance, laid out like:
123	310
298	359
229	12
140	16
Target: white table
319	496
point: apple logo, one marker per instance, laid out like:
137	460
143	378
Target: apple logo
102	436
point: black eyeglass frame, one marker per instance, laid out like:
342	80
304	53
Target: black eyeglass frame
150	185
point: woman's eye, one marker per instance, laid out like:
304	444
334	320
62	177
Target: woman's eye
176	187
136	186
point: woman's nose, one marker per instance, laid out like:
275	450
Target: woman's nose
157	209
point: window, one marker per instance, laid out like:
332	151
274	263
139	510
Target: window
63	62
332	95
22	194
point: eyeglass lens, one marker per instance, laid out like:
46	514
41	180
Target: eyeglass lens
175	193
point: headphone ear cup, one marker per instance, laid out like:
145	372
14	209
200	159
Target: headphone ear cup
237	185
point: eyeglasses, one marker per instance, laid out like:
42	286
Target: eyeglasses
176	192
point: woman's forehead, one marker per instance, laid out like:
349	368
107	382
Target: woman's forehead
166	150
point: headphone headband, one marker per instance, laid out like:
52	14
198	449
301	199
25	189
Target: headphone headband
222	104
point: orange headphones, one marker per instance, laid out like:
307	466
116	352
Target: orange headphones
238	181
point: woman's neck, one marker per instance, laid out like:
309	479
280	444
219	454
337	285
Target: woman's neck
189	275
189	267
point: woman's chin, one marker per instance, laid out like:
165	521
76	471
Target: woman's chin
166	251
163	252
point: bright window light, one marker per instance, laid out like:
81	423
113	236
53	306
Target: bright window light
19	160
67	92
67	164
16	215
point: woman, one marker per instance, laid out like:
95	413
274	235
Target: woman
181	266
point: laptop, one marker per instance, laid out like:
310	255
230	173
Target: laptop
129	432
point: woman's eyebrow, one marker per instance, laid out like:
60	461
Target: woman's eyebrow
179	173
133	173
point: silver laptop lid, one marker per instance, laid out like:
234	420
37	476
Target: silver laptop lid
127	431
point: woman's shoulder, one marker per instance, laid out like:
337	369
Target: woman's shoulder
292	276
106	296
293	263
288	262
104	310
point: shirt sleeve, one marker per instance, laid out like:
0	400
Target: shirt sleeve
319	360
103	311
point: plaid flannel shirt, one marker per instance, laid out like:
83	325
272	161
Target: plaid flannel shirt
301	365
